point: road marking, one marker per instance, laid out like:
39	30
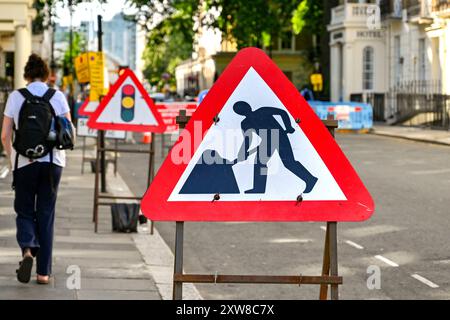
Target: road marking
4	172
290	240
425	281
387	261
354	244
323	228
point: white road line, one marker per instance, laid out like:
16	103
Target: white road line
387	261
323	228
425	281
354	244
4	172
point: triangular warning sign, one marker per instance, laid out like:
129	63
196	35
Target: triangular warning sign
128	107
255	151
88	107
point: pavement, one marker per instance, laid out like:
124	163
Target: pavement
110	265
413	133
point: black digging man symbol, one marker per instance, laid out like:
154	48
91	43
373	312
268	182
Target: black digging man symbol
217	176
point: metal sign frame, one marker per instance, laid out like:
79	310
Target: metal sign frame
98	196
329	277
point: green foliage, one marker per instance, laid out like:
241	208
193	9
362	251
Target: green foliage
256	22
308	13
170	35
78	45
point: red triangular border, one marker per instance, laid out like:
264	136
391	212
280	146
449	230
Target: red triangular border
127	73
358	206
82	110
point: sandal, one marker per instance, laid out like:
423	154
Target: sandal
24	271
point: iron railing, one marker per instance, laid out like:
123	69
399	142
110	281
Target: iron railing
420	103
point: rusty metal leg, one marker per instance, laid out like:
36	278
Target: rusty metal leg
115	157
333	258
178	265
163	144
151	171
83	155
96	185
326	265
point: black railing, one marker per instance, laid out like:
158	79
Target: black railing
420	103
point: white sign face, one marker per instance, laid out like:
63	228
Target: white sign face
226	139
91	106
127	107
84	131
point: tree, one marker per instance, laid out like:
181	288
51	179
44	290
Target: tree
254	23
170	26
45	10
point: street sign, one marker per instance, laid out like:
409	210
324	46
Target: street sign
84	131
128	107
97	76
82	68
88	107
255	151
170	110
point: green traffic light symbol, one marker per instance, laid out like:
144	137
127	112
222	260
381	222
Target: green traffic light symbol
127	103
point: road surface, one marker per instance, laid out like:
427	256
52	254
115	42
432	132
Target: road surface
408	237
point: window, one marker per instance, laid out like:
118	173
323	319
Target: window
286	41
422	60
368	68
398	60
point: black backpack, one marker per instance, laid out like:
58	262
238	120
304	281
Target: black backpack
31	139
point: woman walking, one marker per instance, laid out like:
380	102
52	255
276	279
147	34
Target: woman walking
37	169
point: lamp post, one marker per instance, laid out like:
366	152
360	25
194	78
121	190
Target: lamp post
71	93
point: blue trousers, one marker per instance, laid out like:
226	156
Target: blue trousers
34	203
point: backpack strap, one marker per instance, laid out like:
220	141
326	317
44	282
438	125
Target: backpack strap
16	166
48	95
26	94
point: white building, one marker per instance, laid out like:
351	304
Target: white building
394	54
16	39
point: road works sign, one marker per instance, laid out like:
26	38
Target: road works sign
170	110
255	151
128	107
88	107
84	131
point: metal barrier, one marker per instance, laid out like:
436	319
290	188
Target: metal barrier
350	115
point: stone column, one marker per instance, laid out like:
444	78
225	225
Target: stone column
21	53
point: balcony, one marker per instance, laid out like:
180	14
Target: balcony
441	7
419	11
355	13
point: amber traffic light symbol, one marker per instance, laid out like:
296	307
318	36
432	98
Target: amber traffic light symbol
127	103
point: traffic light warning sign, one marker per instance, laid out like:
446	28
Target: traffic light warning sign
255	151
128	107
88	107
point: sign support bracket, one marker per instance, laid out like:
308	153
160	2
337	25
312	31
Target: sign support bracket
98	196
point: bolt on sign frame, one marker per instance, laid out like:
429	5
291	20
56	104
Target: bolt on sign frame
329	277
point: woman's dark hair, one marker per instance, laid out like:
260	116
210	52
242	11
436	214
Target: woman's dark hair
36	68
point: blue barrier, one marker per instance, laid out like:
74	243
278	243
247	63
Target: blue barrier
350	115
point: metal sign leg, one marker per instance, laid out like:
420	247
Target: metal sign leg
96	185
178	269
333	258
83	155
330	262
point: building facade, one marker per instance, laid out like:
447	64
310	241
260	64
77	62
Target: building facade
16	39
212	53
394	54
